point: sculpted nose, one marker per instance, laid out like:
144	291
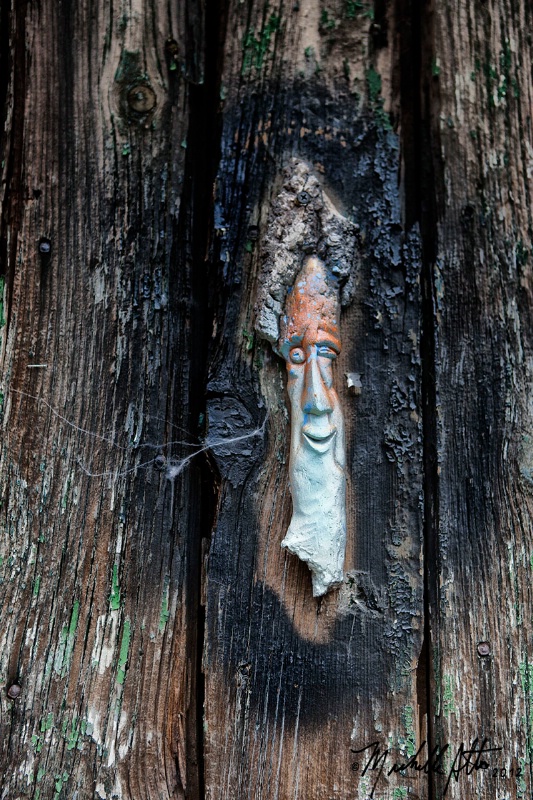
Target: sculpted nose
316	399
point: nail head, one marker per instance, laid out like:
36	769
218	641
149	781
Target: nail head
160	461
483	648
14	691
141	99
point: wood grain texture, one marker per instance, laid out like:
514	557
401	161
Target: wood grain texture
99	576
156	641
292	684
483	284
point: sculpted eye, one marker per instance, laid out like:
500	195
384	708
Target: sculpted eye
326	352
297	355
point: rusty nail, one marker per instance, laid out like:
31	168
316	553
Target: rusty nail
14	691
483	648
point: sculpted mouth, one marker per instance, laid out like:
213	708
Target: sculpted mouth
319	436
319	440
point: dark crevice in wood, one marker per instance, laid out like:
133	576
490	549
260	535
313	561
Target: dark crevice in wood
12	70
195	25
419	99
5	71
422	690
203	154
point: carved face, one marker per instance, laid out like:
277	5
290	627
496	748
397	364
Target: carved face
310	343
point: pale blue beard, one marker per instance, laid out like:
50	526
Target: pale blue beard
317	533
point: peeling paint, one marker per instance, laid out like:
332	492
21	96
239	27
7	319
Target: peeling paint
114	600
165	613
124	651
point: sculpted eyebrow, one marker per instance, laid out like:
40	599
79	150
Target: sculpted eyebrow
329	341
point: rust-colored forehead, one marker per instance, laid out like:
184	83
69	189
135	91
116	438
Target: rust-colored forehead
311	306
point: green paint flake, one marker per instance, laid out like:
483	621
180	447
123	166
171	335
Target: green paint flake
124	651
126	150
2	289
327	22
373	82
505	59
522	255
353	8
40	774
249	337
407	743
73	735
74	618
47	722
37	794
165	613
64	499
448	705
526	679
255	46
114	600
36	585
68	636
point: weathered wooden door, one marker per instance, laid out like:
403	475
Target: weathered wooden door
157	158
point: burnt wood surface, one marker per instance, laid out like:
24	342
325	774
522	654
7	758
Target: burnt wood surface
156	641
294	684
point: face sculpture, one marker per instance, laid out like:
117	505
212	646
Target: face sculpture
310	343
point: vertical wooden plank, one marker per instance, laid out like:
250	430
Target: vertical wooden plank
483	284
99	572
294	686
